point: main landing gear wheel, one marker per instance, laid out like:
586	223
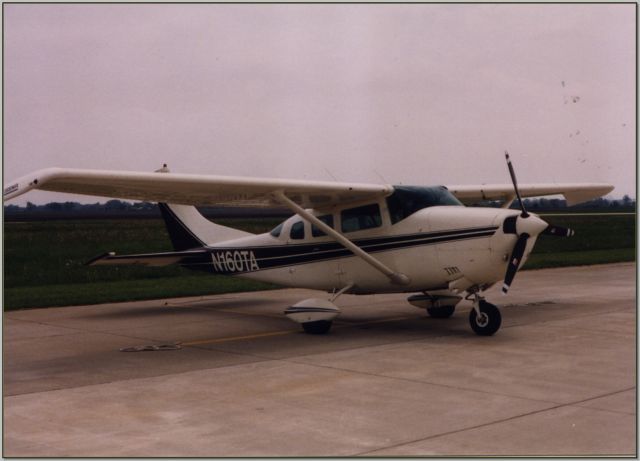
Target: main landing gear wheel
441	312
319	327
314	314
489	320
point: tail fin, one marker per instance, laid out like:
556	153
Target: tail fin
189	229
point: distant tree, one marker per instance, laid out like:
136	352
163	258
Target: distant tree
557	203
54	206
116	205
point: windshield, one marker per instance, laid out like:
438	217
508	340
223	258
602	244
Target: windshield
406	200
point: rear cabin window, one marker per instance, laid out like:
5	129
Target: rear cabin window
328	220
360	218
406	200
297	231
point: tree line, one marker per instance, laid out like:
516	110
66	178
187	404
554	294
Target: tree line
626	203
120	208
123	209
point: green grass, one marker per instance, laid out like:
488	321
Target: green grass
579	258
54	252
597	240
591	233
44	261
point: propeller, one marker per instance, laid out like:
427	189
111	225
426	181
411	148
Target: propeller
524	213
524	226
514	261
558	231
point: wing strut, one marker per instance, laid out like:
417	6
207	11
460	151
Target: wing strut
395	277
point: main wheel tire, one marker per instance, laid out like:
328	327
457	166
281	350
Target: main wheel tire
319	327
441	312
489	322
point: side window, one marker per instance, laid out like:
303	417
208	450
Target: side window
360	218
277	230
297	231
328	220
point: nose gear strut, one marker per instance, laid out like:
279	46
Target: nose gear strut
485	318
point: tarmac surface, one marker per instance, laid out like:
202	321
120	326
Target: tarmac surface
559	377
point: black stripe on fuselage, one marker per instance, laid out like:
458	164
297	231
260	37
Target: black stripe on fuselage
251	259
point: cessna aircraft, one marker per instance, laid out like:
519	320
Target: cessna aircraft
342	238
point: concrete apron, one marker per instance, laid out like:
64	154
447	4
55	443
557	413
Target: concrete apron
557	379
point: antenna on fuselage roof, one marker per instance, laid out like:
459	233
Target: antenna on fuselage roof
164	169
380	176
329	173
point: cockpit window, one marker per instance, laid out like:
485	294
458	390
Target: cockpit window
277	230
360	218
406	200
328	220
297	231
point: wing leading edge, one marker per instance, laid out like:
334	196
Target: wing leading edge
192	189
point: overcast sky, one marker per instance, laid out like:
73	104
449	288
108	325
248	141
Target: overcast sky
412	94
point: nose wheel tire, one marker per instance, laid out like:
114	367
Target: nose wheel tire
319	327
441	312
489	320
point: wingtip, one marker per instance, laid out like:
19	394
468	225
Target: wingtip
33	180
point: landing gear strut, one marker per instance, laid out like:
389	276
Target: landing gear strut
485	318
316	314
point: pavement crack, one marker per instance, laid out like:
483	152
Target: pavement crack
491	423
417	381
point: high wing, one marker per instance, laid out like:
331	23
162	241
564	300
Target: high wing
192	189
573	193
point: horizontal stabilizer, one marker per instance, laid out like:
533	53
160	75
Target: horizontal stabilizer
192	257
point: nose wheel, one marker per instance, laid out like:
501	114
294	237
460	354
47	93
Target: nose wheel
485	318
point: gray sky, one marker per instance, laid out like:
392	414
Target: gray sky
417	94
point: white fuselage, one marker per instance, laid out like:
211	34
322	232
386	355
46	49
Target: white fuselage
438	247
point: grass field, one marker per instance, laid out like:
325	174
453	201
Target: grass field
44	261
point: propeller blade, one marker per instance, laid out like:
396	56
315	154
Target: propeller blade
515	185
558	231
514	261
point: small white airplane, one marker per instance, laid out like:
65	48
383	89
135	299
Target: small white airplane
343	237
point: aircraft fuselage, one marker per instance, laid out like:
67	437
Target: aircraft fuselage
437	245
